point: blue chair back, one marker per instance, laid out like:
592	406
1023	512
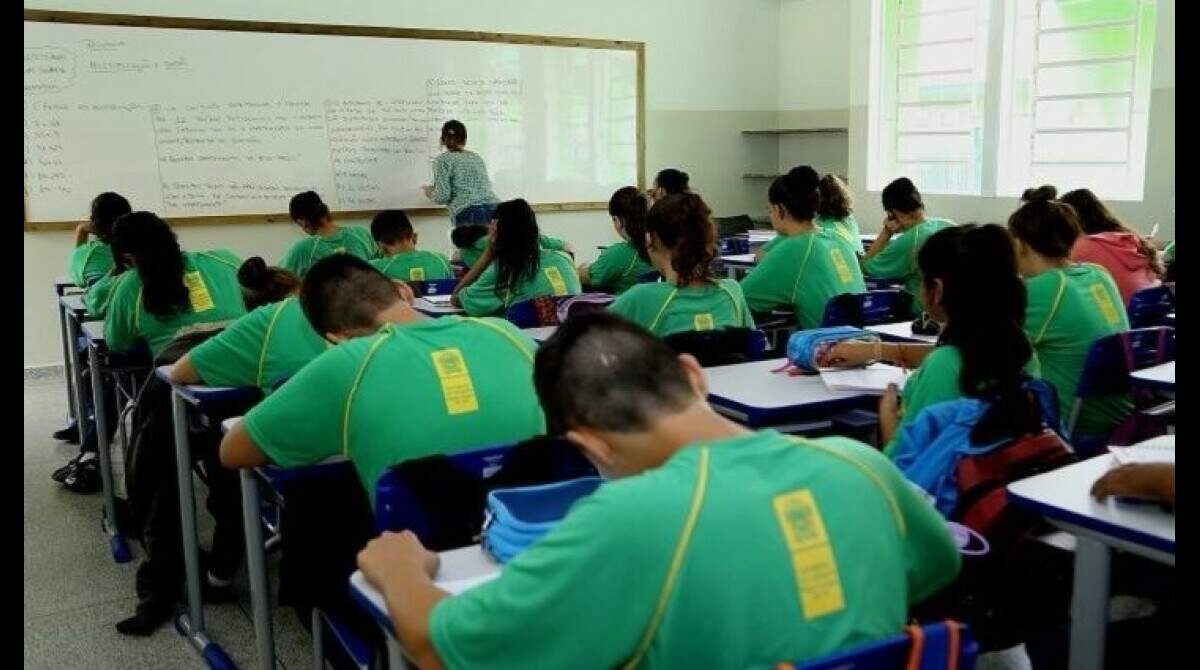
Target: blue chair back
649	277
433	286
946	645
1111	359
723	346
735	244
867	309
1150	307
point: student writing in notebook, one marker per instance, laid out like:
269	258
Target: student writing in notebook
711	545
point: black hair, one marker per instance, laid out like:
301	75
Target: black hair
1043	192
454	135
106	209
603	372
836	201
308	208
1095	217
797	192
683	224
516	248
629	205
465	237
1047	226
262	284
984	299
159	261
391	226
902	196
342	293
672	181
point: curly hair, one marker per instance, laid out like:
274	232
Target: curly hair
683	224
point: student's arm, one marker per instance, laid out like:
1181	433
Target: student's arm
889	414
183	372
97	297
232	357
83	233
769	284
441	191
120	328
890	259
881	241
851	354
402	570
238	449
485	259
584	270
479	298
1154	481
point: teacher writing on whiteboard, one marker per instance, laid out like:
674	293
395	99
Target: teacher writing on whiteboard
460	180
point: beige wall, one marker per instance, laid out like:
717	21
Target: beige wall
710	72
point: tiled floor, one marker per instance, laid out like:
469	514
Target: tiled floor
74	592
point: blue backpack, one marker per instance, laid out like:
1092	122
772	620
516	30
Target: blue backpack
519	517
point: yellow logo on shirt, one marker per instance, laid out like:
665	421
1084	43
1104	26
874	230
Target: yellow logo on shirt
416	274
198	293
556	280
457	387
1105	303
703	322
839	264
816	569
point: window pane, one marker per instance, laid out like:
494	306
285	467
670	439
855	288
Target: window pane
940	147
937	57
1107	42
937	27
960	87
1059	13
936	117
909	7
941	177
1107	181
1082	79
1084	113
1076	147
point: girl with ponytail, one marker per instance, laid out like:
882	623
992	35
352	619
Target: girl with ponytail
622	264
806	267
681	241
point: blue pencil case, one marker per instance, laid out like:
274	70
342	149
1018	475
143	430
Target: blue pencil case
519	517
804	347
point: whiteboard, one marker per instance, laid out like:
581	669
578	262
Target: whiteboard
191	122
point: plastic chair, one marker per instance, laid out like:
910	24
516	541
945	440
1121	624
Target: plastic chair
727	226
649	277
723	346
1106	372
1150	306
947	645
867	309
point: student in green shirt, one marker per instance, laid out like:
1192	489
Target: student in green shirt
972	289
681	240
621	265
267	345
324	237
399	256
521	270
92	257
808	268
712	546
669	181
472	243
894	253
462	383
1071	305
835	217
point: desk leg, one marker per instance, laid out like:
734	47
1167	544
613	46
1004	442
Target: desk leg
68	344
1089	604
75	376
731	272
116	541
256	566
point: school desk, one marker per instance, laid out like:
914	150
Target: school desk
900	332
73	314
459	570
1158	377
751	394
541	333
429	308
1063	497
736	264
209	404
62	286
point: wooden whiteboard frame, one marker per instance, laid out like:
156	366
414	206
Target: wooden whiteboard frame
188	23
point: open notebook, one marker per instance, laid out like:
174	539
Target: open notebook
871	379
1155	450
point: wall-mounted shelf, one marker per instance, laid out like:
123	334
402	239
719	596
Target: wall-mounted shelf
761	175
795	131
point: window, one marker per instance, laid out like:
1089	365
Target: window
989	97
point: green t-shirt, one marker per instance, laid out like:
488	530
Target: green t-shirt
787	549
99	294
665	309
259	349
348	240
1068	311
803	272
415	266
216	297
898	260
936	380
434	386
844	230
617	268
90	262
555	275
470	255
1169	252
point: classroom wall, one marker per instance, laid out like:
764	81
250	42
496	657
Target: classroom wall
711	71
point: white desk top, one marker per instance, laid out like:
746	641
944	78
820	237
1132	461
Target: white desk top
94	331
460	570
426	307
761	235
1064	497
1159	374
541	333
754	385
743	260
903	330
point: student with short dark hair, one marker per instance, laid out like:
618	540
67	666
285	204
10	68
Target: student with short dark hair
807	267
1071	305
468	381
92	257
710	546
518	268
324	237
621	265
669	182
399	256
1132	260
681	239
460	179
893	255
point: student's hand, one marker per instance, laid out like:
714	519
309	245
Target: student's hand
428	190
1139	480
396	554
889	405
405	291
847	355
890	227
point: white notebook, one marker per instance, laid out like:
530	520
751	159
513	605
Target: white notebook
442	299
1159	449
872	379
